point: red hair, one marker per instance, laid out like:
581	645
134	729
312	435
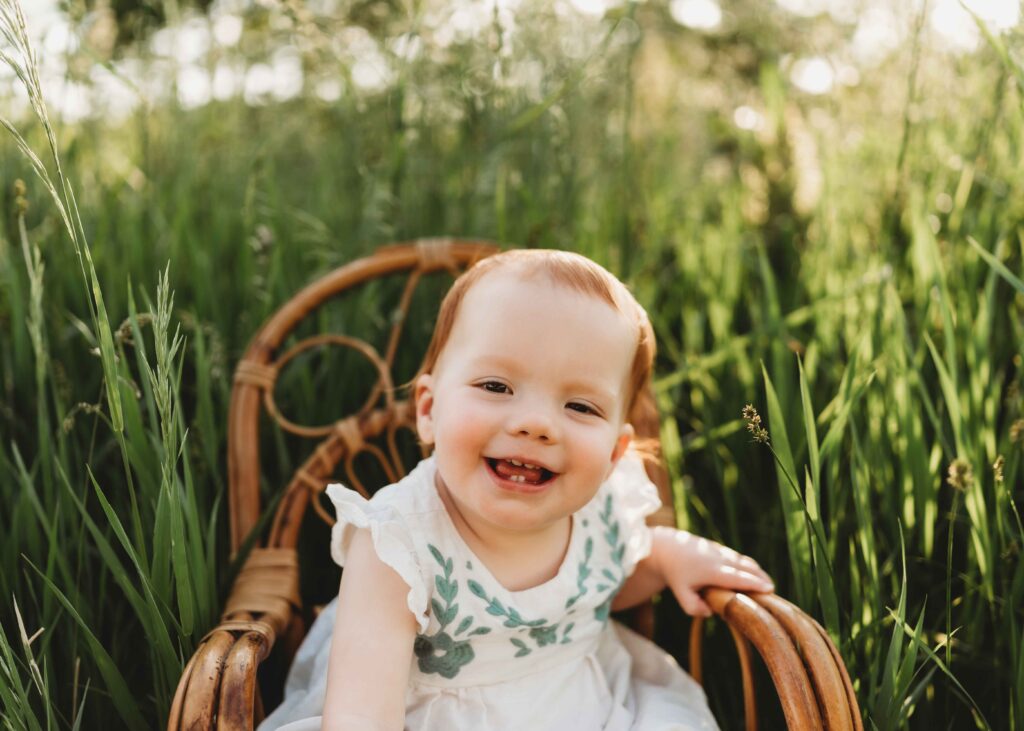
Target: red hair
579	274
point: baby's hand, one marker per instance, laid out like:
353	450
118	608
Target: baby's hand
690	563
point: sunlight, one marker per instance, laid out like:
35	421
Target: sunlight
813	75
698	14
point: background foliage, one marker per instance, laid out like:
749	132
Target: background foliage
849	263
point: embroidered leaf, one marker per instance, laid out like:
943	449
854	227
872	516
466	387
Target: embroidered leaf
475	587
513	614
584	574
448	565
451	614
612	536
480	631
523	649
469	565
572	600
536	622
438	611
436	554
609	575
496	608
568	627
464	625
447	589
602	587
588	547
618	553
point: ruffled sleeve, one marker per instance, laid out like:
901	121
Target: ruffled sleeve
391	540
635	497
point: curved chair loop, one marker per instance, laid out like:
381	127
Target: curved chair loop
174	719
319	431
747	671
828	685
396	458
746	667
354	480
199	706
851	695
238	694
780	656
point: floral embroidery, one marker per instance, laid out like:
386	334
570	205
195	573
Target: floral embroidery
547	635
440	653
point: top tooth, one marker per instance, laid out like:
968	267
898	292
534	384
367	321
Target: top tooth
517	464
530	466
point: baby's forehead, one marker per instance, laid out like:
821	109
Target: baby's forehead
524	276
505	308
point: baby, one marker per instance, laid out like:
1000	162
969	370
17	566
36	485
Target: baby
477	590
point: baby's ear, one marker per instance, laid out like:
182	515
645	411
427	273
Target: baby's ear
423	397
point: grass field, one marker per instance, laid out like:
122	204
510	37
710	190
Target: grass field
849	264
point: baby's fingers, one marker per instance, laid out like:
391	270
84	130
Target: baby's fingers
746	563
692	603
740	579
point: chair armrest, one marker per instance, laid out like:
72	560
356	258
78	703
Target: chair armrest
218	686
812	683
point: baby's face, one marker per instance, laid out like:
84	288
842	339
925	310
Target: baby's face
526	405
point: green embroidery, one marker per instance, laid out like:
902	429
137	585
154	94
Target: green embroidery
495	608
547	635
583	573
440	653
539	630
618	550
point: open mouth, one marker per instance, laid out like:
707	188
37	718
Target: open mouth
522	473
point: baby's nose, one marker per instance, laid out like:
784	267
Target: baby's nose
534	423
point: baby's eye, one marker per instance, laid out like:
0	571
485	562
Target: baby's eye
581	407
494	387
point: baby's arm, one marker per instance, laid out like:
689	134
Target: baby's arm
687	563
371	649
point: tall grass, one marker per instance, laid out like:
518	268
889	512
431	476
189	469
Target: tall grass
851	268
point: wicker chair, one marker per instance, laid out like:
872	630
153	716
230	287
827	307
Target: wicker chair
263	618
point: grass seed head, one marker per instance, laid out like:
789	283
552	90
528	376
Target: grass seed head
960	476
1016	431
997	468
20	201
753	420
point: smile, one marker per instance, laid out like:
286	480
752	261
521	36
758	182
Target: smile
523	475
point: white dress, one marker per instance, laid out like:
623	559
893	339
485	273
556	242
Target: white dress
489	659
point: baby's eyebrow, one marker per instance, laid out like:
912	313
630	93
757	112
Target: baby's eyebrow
494	361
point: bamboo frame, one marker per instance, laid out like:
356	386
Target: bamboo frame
218	688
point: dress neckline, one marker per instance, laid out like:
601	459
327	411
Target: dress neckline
563	569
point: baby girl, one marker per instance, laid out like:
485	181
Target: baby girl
477	590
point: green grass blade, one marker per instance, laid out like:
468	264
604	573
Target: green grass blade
125	702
